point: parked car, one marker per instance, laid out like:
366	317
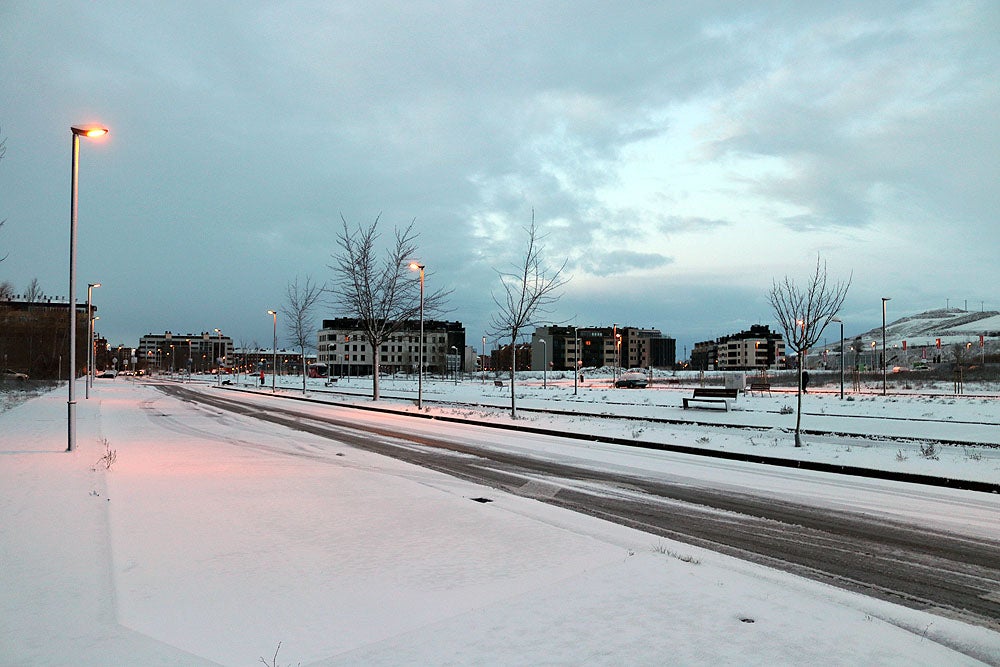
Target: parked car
109	373
8	374
634	378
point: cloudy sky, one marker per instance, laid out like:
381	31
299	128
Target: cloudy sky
679	156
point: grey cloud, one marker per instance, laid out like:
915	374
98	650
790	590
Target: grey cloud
618	262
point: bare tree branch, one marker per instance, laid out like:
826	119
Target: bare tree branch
33	292
302	301
529	290
382	295
803	314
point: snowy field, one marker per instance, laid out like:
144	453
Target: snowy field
212	537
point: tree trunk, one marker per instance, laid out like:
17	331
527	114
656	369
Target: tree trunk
375	371
798	412
513	369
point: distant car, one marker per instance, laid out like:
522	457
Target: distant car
109	373
8	374
633	378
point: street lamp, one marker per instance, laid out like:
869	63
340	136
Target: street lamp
420	371
545	364
90	338
219	358
457	363
274	349
576	358
837	319
884	360
482	361
77	132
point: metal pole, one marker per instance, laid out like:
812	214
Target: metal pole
884	355
841	360
576	359
218	360
274	351
71	402
420	371
90	345
74	180
482	362
545	365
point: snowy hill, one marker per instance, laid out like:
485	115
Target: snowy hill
951	325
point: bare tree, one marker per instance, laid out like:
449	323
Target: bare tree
6	290
33	292
527	291
803	314
302	301
382	294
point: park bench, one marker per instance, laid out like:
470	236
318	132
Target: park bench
712	395
759	388
330	382
499	383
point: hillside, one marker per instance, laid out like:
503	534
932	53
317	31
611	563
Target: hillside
952	326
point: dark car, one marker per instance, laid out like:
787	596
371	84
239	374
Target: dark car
632	379
8	374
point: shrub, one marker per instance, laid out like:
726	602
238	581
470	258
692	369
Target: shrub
929	451
110	455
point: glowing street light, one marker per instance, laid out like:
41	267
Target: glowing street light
414	266
274	349
77	132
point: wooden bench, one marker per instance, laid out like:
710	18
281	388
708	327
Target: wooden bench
759	387
712	395
330	382
499	383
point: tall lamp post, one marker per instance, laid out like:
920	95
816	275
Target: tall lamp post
420	371
837	319
92	344
274	349
482	361
74	180
576	358
884	359
218	360
457	362
545	364
90	339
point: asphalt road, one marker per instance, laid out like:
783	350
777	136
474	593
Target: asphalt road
953	575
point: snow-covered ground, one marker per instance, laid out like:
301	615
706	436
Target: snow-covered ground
214	537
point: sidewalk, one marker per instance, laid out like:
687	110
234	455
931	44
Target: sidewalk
58	605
